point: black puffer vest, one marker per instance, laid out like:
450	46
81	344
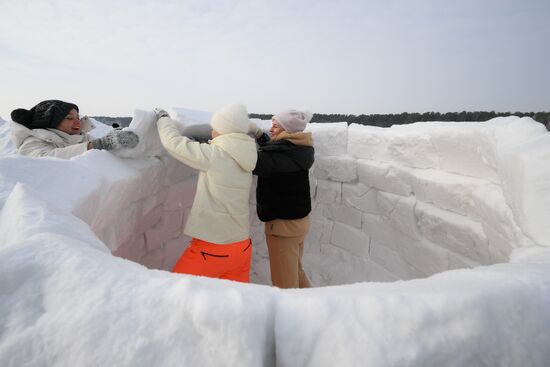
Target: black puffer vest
283	180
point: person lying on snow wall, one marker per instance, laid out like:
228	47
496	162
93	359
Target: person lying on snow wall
54	128
219	219
283	198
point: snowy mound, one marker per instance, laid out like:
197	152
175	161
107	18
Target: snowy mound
402	203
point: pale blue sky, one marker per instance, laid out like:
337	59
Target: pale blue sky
353	57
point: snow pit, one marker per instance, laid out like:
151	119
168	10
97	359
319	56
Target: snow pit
452	215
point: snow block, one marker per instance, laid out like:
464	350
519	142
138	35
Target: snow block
368	142
328	192
378	273
329	139
426	258
342	214
360	196
335	266
466	148
181	194
350	239
176	171
320	231
452	231
447	191
389	259
341	168
385	177
379	228
399	212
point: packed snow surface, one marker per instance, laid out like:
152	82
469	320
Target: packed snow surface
451	216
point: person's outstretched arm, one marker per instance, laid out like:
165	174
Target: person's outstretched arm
34	147
194	154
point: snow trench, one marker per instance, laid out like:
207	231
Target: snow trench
456	211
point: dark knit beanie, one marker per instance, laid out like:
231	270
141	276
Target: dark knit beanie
46	114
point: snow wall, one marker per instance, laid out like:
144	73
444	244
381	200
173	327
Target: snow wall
389	204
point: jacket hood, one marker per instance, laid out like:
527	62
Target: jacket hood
299	138
241	147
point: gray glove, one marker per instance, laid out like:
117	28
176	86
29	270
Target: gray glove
160	113
254	130
116	139
258	134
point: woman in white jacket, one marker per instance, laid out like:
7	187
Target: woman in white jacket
219	221
53	128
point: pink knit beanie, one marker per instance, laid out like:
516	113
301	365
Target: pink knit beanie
293	120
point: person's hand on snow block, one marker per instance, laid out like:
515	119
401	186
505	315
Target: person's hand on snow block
116	139
161	113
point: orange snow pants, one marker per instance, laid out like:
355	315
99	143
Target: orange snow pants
229	261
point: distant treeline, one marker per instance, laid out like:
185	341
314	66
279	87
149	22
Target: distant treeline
386	120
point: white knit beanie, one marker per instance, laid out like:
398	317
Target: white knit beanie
293	120
231	119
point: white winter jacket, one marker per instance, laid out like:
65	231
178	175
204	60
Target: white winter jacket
50	142
220	212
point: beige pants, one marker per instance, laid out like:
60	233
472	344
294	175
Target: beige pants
285	242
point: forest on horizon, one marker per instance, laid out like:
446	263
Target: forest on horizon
385	120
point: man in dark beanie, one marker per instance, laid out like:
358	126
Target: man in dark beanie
54	128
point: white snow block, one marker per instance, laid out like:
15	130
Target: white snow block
524	170
176	171
337	168
389	259
406	145
411	145
498	220
329	139
181	194
460	262
453	232
155	199
378	273
400	212
350	239
470	317
360	196
328	192
152	173
335	266
150	219
466	148
368	142
342	214
384	176
123	228
379	228
133	250
447	191
426	257
153	259
320	231
169	226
